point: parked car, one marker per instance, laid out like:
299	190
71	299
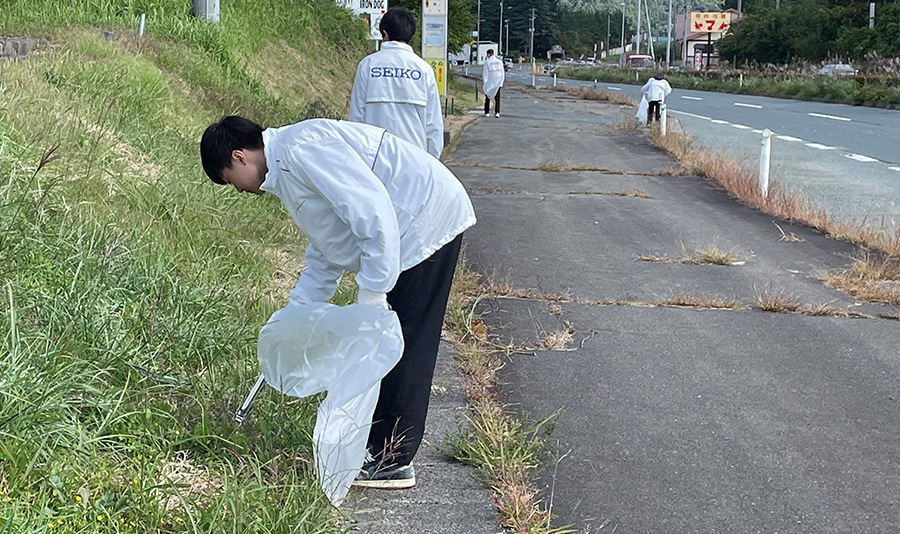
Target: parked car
838	69
507	63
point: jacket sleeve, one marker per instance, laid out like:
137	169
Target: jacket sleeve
434	124
360	201
358	94
667	88
646	86
318	281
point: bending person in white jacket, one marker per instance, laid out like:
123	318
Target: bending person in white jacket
396	90
655	90
375	205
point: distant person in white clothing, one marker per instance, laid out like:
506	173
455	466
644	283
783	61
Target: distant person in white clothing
492	77
396	90
655	90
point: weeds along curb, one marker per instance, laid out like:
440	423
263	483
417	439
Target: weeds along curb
505	450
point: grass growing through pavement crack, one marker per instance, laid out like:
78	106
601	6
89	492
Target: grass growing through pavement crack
698	256
505	449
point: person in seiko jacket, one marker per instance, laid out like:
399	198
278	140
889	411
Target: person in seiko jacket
375	205
396	90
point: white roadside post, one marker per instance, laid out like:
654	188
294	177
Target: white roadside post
141	27
765	156
554	79
662	119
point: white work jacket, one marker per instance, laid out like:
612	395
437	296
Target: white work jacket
656	90
369	202
492	76
396	90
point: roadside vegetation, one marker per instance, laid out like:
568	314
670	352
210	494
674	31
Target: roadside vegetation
880	90
131	288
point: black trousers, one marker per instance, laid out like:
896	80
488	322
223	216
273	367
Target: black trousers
487	103
653	110
420	299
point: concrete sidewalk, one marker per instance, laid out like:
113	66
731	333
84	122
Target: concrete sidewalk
675	420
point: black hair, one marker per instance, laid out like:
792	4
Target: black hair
490	52
222	138
399	24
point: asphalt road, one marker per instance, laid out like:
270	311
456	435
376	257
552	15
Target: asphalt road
675	420
843	158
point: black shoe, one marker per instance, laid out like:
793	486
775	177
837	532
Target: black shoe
376	475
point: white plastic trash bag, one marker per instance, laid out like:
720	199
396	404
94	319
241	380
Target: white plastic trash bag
346	351
643	107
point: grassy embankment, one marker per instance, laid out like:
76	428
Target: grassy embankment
132	288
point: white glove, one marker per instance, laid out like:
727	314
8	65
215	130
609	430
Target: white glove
371	298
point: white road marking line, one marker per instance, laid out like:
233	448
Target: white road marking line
741	104
820	147
718	121
756	131
691	98
860	157
614	88
833	117
788	138
741	127
894	169
690	114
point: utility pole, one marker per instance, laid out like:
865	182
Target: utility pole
669	37
871	15
622	42
507	38
531	44
687	24
500	32
637	48
607	36
478	35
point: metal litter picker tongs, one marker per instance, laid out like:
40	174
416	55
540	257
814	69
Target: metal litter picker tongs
241	414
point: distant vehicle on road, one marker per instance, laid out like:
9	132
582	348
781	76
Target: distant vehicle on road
640	61
507	63
838	69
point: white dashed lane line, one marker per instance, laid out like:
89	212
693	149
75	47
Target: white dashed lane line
691	98
614	88
832	117
741	104
718	121
860	157
741	127
788	138
894	169
820	147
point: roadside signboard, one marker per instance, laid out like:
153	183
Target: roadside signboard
710	22
369	10
434	39
440	73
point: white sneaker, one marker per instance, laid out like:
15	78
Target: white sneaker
487	114
497	115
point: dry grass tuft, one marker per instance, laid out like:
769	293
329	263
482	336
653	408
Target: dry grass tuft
872	277
640	193
702	301
637	193
586	93
552	165
740	180
188	482
699	256
776	302
558	340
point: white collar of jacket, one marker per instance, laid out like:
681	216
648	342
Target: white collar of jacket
272	163
396	44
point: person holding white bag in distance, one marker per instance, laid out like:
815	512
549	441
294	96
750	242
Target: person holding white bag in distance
492	78
378	206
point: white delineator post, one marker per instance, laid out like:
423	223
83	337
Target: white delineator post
765	156
554	79
662	119
141	27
